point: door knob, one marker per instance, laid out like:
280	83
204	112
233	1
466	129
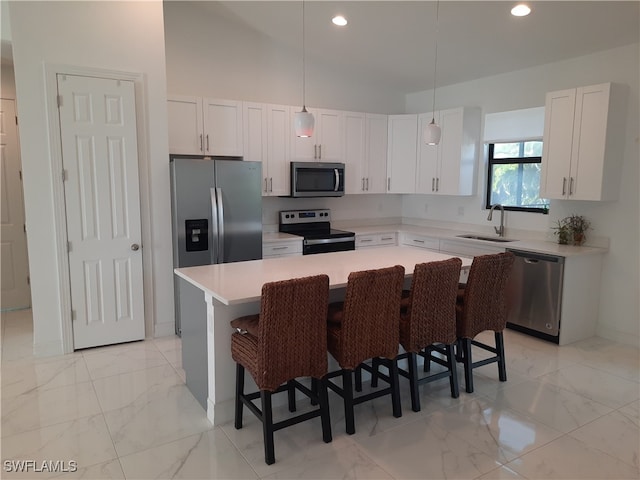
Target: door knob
135	247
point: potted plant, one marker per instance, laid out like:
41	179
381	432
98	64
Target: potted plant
562	231
578	225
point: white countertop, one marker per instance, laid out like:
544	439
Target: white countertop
241	282
280	237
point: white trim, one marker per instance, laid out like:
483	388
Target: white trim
60	220
165	329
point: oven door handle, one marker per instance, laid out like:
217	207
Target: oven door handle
322	241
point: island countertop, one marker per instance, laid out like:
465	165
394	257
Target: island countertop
237	283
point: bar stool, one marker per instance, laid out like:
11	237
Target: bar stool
364	326
287	340
482	306
428	324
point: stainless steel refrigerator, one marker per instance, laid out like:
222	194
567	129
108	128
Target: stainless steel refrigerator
216	213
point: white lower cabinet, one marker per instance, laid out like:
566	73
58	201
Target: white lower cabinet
376	240
281	248
420	241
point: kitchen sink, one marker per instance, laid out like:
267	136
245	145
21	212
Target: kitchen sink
488	239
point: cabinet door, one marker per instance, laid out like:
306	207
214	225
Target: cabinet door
559	112
222	127
427	163
304	149
401	156
331	134
376	153
354	151
278	132
589	140
254	119
449	154
185	125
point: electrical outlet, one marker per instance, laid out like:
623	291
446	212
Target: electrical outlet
460	211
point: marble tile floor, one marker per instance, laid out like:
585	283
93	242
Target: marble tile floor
123	411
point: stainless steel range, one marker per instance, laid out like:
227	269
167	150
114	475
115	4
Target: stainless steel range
315	227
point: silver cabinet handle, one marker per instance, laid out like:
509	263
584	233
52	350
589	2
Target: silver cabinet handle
388	183
570	185
207	142
266	189
201	144
564	185
386	238
320	151
280	248
363	184
271	184
135	247
437	184
433	184
315	152
367	184
418	241
366	240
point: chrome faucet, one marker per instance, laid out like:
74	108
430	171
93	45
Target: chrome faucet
499	230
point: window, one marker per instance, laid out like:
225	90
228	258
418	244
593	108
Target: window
514	176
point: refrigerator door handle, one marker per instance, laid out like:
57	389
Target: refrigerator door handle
220	225
214	227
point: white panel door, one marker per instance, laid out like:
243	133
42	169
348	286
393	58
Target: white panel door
402	152
376	153
278	134
16	292
331	135
428	156
354	152
100	158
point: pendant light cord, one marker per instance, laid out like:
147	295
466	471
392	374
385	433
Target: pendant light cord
435	66
303	64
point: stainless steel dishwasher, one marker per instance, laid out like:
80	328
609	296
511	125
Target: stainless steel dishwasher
534	294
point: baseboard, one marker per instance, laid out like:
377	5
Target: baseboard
619	337
48	349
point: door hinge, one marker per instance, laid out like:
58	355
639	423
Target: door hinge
16	120
24	227
20	174
64	175
69	247
59	101
28	280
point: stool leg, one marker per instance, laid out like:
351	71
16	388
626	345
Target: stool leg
324	409
314	390
375	365
267	427
453	373
347	392
468	364
291	394
427	360
413	382
358	375
239	394
502	366
395	388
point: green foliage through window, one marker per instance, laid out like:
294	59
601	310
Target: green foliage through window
514	176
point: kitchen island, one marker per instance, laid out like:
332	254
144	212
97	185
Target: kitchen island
213	295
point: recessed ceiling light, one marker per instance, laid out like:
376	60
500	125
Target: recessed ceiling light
520	10
339	20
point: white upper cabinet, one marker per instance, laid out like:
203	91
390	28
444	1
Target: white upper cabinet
577	158
449	168
376	153
326	143
266	140
401	153
354	152
205	126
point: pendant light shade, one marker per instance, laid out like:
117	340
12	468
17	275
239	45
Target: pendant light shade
432	133
303	123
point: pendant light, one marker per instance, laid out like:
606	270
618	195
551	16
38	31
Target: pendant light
432	132
303	121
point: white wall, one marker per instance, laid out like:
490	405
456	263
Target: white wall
619	312
123	36
212	54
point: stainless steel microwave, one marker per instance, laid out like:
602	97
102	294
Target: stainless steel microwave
313	179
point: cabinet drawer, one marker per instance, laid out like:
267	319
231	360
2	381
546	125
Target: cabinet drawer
376	240
281	249
420	241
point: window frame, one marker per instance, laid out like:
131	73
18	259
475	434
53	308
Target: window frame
521	161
